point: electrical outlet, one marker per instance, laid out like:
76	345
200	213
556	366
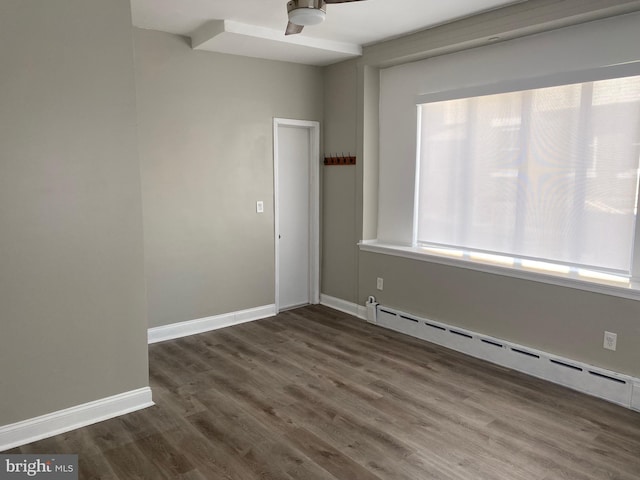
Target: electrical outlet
259	206
610	340
379	283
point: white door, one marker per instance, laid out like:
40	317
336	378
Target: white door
296	169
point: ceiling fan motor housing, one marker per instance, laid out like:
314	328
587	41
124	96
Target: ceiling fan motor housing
306	12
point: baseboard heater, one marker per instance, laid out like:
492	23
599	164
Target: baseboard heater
612	386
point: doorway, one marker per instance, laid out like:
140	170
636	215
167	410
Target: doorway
297	212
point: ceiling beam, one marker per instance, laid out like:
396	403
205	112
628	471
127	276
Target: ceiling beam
235	38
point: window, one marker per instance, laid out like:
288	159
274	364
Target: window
543	178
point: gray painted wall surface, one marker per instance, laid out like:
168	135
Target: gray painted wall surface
206	151
72	293
72	296
557	319
340	229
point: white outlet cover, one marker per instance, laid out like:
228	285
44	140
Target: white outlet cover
259	206
610	340
379	283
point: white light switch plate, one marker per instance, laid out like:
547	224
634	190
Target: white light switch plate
260	206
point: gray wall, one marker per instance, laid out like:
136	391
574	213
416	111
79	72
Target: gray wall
72	287
72	296
205	123
557	319
340	232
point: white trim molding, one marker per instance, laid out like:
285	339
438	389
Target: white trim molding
44	426
595	381
344	306
314	205
201	325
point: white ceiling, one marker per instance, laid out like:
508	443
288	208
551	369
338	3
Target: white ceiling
255	28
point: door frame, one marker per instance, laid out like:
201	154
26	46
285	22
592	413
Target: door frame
314	204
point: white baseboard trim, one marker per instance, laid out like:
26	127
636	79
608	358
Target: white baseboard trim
612	386
62	421
351	308
201	325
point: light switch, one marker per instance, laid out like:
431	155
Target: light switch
260	206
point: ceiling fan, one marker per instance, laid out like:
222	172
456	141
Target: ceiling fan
307	12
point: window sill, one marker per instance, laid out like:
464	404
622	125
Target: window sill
630	290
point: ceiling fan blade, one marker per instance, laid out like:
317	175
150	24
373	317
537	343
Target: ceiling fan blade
342	1
292	29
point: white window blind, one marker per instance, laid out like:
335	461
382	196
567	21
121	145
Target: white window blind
546	174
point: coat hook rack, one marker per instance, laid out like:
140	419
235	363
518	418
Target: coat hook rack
341	159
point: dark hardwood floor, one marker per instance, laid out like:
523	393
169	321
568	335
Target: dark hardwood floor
316	394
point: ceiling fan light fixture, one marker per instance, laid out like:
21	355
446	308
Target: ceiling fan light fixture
307	12
306	16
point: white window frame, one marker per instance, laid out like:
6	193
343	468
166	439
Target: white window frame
623	286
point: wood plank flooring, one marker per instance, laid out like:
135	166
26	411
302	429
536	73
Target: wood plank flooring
316	394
